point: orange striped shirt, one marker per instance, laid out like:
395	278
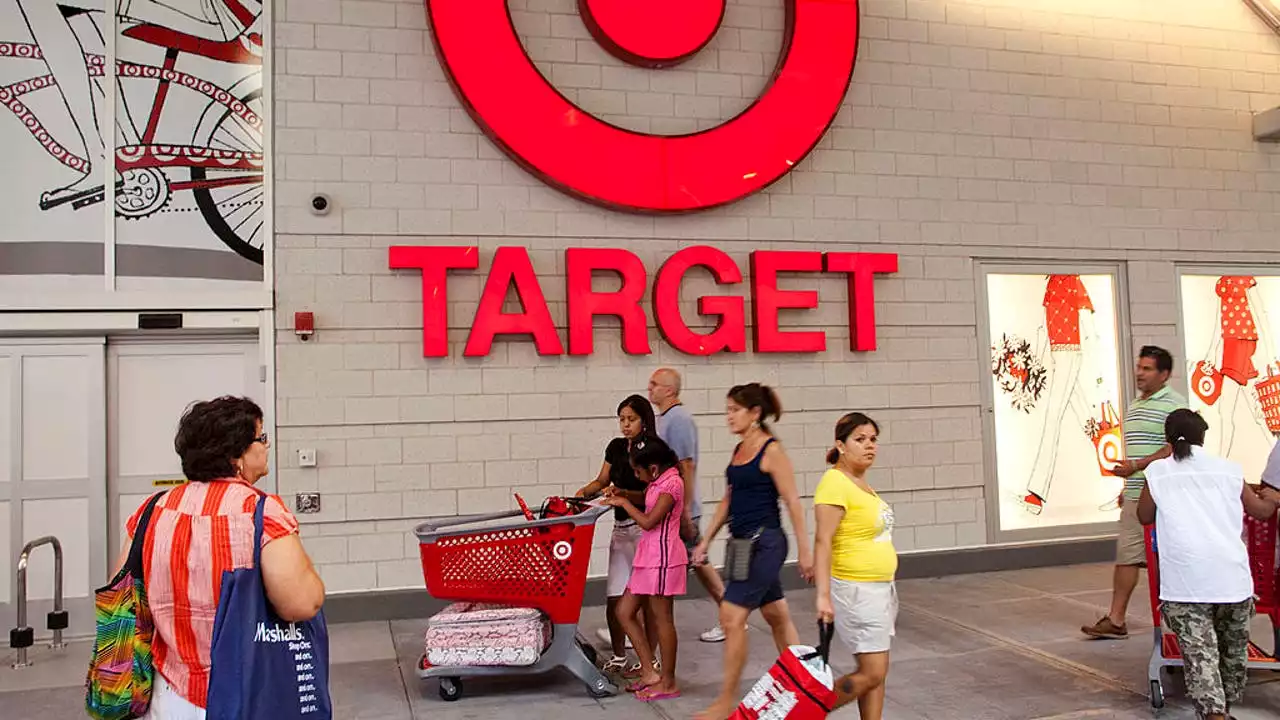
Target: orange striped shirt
198	531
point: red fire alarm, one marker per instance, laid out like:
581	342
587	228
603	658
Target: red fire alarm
304	325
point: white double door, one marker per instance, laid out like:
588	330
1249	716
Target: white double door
86	434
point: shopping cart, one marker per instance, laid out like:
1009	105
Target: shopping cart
1260	537
538	561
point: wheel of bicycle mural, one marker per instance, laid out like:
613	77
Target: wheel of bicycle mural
231	205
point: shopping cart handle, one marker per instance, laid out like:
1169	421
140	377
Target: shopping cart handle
432	526
428	531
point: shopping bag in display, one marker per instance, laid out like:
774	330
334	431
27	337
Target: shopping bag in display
1206	382
1108	439
799	686
1268	392
263	668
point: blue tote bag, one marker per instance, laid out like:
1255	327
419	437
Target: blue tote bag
261	667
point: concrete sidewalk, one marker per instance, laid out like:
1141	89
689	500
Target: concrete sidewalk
998	646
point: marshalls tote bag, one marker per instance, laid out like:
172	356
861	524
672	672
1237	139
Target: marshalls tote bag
262	668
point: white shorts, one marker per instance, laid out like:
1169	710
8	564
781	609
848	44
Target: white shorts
866	613
167	704
622	554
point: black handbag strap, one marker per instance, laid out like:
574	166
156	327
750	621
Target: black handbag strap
134	563
826	633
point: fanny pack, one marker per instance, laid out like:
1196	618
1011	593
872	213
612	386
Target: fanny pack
738	553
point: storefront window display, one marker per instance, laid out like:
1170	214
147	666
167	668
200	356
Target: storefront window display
1056	398
1232	363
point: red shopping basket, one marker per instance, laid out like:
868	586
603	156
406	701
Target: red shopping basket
797	687
540	564
1268	391
1261	537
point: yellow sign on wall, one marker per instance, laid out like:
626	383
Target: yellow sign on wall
168	483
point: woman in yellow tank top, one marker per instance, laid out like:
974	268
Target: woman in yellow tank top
854	562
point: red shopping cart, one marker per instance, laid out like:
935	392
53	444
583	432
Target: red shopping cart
1260	537
538	561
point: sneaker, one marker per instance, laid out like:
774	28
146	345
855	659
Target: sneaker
1033	503
603	634
714	635
1104	628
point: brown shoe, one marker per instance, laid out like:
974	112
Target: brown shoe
1104	628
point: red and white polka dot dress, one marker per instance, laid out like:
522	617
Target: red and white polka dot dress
1064	298
1239	333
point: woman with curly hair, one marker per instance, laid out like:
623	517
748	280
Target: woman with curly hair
202	529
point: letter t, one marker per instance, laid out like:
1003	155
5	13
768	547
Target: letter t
861	268
435	263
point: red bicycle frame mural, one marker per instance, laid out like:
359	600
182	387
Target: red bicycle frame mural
223	163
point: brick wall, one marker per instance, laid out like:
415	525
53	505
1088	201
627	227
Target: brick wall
1114	130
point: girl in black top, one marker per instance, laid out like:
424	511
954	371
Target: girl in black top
635	420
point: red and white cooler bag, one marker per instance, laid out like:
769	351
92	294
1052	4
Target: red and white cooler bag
799	686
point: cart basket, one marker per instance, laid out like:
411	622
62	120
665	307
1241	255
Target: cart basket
504	558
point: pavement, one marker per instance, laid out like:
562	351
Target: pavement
994	646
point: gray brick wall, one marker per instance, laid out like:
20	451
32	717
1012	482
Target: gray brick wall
974	129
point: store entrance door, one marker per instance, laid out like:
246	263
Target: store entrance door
52	473
150	383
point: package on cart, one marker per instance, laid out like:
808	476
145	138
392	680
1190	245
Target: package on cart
481	634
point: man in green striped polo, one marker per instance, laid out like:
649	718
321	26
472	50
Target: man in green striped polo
1143	444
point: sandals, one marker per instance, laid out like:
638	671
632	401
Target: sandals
617	664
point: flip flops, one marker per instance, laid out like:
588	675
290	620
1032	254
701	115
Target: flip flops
649	695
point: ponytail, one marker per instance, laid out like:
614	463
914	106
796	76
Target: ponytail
1183	430
755	395
648	451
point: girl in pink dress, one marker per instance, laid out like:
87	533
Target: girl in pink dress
661	566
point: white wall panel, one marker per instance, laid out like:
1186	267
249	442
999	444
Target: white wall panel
68	519
125	505
6	419
155	389
6	578
55	419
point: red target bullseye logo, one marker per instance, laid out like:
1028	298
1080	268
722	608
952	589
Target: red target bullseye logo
573	151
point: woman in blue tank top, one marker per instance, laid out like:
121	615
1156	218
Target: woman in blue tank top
759	474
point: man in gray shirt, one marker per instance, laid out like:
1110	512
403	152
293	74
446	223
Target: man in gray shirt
678	430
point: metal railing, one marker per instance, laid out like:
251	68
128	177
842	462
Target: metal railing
22	636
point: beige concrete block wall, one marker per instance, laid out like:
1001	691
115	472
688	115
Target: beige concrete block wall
1088	130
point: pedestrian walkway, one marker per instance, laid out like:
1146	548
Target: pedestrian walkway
994	646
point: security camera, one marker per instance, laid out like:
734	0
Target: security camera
320	204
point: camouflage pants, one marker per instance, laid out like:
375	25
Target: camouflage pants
1214	638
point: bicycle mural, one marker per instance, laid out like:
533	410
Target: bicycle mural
188	118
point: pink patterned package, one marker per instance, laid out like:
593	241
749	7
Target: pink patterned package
481	634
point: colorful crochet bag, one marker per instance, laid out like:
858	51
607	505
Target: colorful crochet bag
118	686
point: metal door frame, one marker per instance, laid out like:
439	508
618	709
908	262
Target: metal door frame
93	488
136	345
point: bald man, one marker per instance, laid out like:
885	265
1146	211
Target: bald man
678	430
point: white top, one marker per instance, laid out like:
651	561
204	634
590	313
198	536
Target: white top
1200	528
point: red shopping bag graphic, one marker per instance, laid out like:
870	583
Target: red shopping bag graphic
1206	382
797	687
1268	392
1108	439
